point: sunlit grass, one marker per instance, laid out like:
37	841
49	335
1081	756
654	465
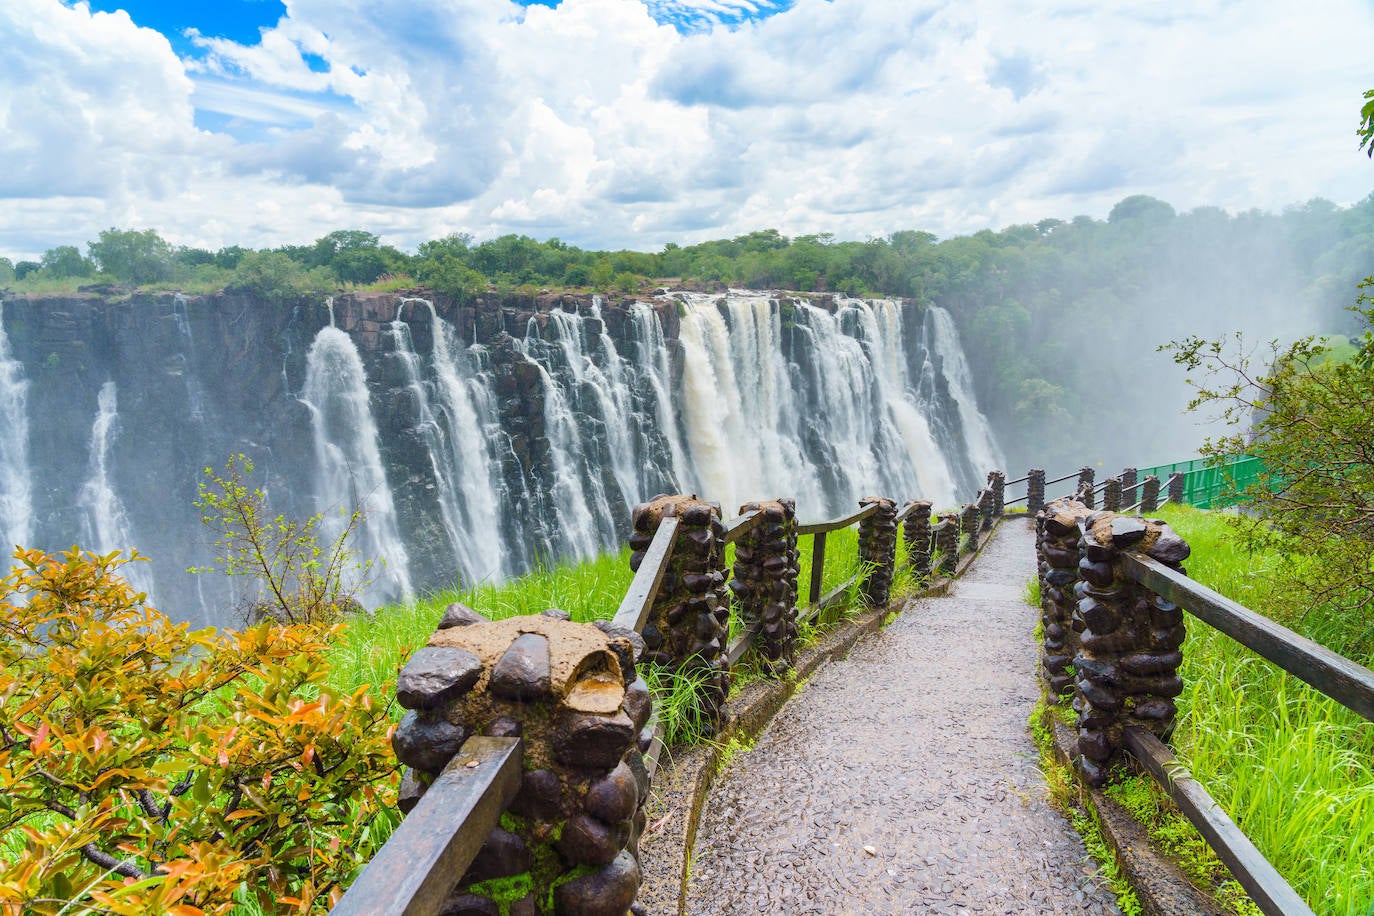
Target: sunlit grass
1294	769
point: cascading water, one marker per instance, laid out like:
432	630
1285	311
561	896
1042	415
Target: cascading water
348	457
16	485
983	450
105	526
478	459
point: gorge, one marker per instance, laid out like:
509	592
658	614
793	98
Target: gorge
480	438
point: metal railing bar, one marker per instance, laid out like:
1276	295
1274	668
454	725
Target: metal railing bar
742	525
838	523
1012	483
1338	677
639	597
743	641
414	871
1261	881
1069	476
832	597
1019	499
655	754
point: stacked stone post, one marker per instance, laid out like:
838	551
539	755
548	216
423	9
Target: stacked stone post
765	580
1126	668
1035	490
687	627
947	543
1111	494
985	508
997	483
1129	479
1057	548
1149	501
916	530
570	692
1085	486
968	525
878	546
1176	489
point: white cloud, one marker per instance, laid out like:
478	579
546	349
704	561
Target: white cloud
597	122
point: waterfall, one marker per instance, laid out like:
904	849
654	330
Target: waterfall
16	486
468	494
651	358
105	523
348	457
983	450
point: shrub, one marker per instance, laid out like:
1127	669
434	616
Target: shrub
146	768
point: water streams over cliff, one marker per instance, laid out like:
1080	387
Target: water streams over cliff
475	453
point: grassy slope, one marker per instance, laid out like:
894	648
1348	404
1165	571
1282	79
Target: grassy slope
1294	769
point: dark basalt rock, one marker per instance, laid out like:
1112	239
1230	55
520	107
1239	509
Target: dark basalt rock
587	840
502	855
538	797
427	743
583	740
459	615
434	675
412	789
608	892
523	672
614	797
1127	531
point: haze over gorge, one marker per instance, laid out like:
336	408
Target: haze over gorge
480	438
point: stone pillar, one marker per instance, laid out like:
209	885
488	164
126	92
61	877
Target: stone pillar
1085	486
1129	479
878	546
765	580
1126	668
968	525
947	543
985	508
1176	489
916	530
687	627
1149	502
571	693
1111	494
1035	490
997	483
1057	549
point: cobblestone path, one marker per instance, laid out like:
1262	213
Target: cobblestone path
903	780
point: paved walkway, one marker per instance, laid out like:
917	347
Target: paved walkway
903	780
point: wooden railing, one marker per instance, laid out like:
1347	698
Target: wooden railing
1331	674
438	839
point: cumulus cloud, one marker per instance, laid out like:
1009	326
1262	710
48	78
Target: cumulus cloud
620	122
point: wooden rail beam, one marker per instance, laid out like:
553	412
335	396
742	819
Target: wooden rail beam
426	857
742	525
1261	881
837	523
1334	675
640	595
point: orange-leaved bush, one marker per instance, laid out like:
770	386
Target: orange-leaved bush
147	768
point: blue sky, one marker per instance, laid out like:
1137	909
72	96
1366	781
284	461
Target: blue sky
637	122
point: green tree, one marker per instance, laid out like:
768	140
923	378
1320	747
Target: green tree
1366	129
131	255
1308	415
6	270
274	278
66	261
292	577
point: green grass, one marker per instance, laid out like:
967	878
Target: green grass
1294	769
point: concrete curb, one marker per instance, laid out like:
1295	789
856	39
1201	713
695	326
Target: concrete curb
1162	888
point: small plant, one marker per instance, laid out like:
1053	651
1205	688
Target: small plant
294	578
145	768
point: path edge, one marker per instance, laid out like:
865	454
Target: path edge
1160	885
682	784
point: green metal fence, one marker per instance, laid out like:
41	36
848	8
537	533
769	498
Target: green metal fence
1207	485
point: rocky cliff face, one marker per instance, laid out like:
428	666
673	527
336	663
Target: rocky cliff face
507	430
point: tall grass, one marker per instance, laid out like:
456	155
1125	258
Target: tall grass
374	648
1294	769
